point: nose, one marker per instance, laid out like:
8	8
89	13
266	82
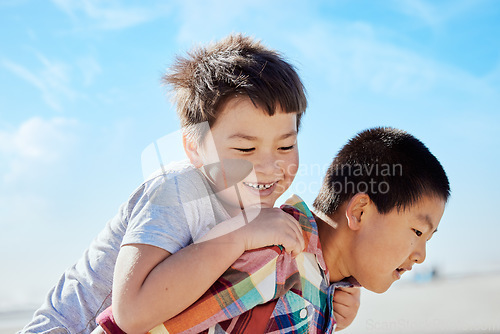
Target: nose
267	163
419	253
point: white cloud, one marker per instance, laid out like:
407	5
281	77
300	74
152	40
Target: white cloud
354	58
351	56
222	17
37	143
109	15
421	10
435	14
52	80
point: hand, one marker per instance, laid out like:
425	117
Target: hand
261	227
345	306
273	226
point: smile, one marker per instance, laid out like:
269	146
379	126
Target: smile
259	186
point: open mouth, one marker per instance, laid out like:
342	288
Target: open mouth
401	271
259	186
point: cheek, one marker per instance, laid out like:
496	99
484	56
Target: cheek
398	253
291	165
379	251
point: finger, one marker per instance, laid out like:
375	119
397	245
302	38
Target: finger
351	290
297	229
340	319
339	315
346	298
341	323
344	314
341	298
345	310
287	237
296	251
295	240
293	246
355	292
298	245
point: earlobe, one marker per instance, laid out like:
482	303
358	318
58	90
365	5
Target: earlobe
355	209
352	222
191	149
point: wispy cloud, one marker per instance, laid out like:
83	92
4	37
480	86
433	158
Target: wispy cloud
422	10
58	82
36	143
109	15
354	58
52	80
435	14
221	16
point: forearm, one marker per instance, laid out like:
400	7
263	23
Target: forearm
174	284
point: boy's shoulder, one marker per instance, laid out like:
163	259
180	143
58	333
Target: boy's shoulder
171	170
177	174
296	207
298	203
175	183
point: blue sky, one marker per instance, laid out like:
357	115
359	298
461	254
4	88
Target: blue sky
81	98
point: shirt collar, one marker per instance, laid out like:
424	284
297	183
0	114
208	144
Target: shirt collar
300	211
298	208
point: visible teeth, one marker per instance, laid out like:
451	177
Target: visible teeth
259	186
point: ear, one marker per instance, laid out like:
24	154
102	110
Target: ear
191	149
355	208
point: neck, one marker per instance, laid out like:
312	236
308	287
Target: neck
333	243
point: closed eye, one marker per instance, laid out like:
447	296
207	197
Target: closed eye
286	148
245	150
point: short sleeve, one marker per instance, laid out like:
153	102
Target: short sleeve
171	210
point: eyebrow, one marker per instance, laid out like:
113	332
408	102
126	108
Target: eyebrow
252	138
427	220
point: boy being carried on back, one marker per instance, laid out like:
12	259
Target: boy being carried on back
367	229
237	100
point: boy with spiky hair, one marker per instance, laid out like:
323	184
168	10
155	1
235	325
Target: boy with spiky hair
236	66
382	199
240	106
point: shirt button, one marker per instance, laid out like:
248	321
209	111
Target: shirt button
303	313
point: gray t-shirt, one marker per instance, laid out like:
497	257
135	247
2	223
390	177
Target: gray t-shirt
170	210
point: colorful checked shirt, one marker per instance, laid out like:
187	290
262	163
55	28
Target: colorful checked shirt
264	291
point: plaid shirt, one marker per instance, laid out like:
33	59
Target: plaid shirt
264	291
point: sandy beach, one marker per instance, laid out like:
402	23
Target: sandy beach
467	304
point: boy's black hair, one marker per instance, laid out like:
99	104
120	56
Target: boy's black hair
233	67
394	168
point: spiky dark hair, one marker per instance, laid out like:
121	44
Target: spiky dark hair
237	65
394	168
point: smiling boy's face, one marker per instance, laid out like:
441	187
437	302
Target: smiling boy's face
387	245
244	131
